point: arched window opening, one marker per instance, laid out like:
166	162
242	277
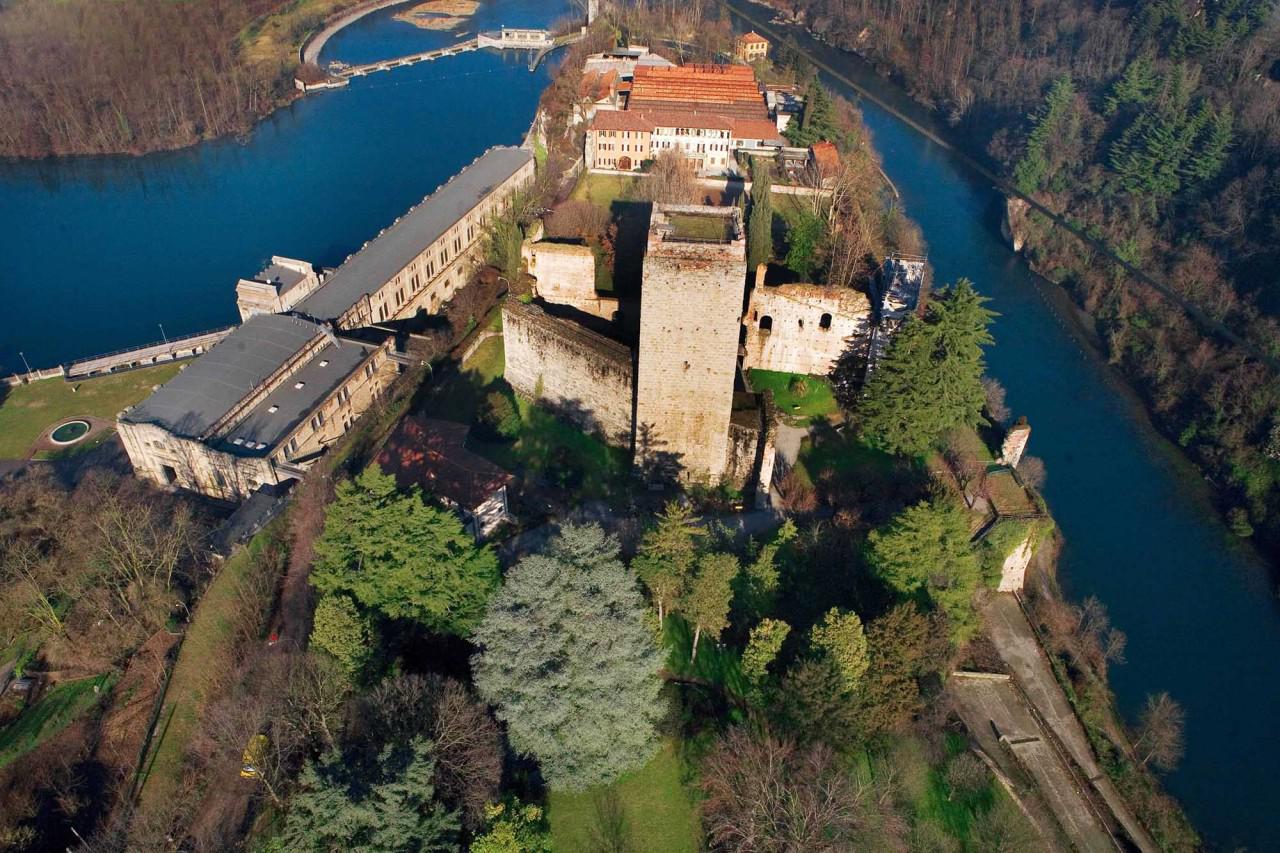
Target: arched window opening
825	322
766	323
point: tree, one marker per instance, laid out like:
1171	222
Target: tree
514	827
468	745
803	242
818	120
925	551
1035	167
386	807
706	601
672	180
498	419
1159	736
930	379
760	220
667	555
341	631
762	649
903	645
994	398
757	585
395	554
767	793
840	639
568	662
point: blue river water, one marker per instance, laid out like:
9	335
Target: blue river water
96	253
1202	618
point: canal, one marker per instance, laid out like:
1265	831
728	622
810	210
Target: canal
98	252
1198	608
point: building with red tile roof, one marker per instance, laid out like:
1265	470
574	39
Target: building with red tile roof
751	47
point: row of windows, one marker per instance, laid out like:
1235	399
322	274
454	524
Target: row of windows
766	322
624	147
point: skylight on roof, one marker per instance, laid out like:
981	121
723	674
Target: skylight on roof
298	386
237	441
273	409
324	362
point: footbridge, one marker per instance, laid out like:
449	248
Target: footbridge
538	42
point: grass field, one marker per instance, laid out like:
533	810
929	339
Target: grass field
799	398
458	395
28	410
604	190
204	659
274	39
50	715
659	811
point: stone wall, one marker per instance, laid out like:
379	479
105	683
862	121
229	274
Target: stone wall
1013	572
802	328
566	275
690	315
584	377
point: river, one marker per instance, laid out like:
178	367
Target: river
1140	534
97	253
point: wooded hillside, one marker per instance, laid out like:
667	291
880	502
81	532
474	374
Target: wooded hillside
1155	124
88	77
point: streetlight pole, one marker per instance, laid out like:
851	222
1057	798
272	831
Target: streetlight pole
25	362
162	334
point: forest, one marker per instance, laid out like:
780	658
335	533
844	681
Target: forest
1154	126
85	77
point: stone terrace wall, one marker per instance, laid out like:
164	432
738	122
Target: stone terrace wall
584	377
785	330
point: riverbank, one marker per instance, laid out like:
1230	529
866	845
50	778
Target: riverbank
1025	222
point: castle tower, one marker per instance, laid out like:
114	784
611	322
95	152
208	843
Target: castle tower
690	316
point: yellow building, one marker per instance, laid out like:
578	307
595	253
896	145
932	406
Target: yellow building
751	47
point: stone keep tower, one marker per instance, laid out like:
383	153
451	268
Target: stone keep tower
690	316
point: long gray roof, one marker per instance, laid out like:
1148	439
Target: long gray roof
191	402
328	368
393	249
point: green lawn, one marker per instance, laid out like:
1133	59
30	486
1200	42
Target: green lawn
50	715
28	410
659	812
847	456
458	394
603	190
799	398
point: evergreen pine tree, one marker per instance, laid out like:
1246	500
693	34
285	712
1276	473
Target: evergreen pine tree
395	554
930	379
760	222
1033	170
666	557
569	664
706	601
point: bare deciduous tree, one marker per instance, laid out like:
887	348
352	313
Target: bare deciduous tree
672	180
765	793
997	408
1159	736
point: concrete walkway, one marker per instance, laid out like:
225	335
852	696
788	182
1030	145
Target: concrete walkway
1017	644
999	719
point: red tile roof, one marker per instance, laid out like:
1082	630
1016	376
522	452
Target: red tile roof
762	129
753	37
432	454
648	120
621	120
825	157
728	90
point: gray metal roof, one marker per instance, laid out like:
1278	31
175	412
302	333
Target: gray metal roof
393	249
320	376
191	402
285	277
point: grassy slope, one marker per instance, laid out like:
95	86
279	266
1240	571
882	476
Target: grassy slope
816	401
661	814
274	39
29	410
603	190
50	715
201	661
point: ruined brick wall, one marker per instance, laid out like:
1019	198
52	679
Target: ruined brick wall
566	275
582	376
690	310
803	328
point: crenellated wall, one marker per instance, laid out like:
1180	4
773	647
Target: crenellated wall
802	328
582	376
566	275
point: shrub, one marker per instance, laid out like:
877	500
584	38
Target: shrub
498	419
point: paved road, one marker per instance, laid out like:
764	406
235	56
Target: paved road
998	718
1018	646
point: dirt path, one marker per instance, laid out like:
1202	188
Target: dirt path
1018	646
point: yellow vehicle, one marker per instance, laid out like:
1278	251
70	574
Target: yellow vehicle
254	753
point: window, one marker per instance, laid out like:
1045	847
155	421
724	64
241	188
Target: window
766	323
825	322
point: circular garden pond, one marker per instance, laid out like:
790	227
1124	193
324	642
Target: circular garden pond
69	432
